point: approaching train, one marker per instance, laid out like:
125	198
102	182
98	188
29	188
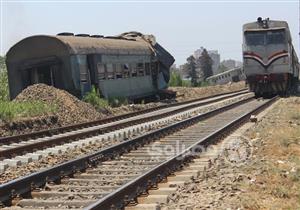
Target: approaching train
232	75
270	61
130	65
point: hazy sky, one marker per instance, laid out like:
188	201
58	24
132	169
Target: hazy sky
179	26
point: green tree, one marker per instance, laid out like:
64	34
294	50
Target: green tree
175	80
206	64
4	96
192	70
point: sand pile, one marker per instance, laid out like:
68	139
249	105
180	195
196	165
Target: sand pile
188	93
70	109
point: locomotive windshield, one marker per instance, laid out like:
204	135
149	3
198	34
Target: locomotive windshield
265	37
255	37
275	37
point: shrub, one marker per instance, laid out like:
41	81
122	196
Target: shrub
203	84
175	80
93	98
4	96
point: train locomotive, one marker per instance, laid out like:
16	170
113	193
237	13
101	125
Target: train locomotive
131	65
270	62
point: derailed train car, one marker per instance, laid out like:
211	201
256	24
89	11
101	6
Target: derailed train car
232	75
130	65
270	61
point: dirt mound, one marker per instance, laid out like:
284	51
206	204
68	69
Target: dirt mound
188	93
70	110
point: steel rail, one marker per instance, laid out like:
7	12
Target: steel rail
25	185
11	152
53	131
130	191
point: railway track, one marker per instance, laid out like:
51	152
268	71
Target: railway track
115	176
54	131
16	145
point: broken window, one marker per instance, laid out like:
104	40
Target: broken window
119	71
110	71
126	70
101	71
83	69
140	69
133	70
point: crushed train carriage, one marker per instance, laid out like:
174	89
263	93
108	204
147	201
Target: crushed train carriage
130	65
270	61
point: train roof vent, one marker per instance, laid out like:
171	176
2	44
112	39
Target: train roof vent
97	36
65	34
83	35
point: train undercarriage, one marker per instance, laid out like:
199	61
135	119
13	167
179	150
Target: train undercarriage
272	84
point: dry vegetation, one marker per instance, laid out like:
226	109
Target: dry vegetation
275	172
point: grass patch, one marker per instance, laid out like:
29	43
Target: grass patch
280	192
278	178
250	203
93	98
11	110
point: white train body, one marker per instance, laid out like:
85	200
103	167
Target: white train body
232	75
270	61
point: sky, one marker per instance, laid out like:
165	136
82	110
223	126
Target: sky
179	26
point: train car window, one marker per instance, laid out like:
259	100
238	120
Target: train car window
110	71
126	70
255	37
154	68
140	69
275	37
147	69
133	70
119	74
83	69
101	71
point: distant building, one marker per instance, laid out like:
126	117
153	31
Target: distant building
229	64
215	56
238	64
